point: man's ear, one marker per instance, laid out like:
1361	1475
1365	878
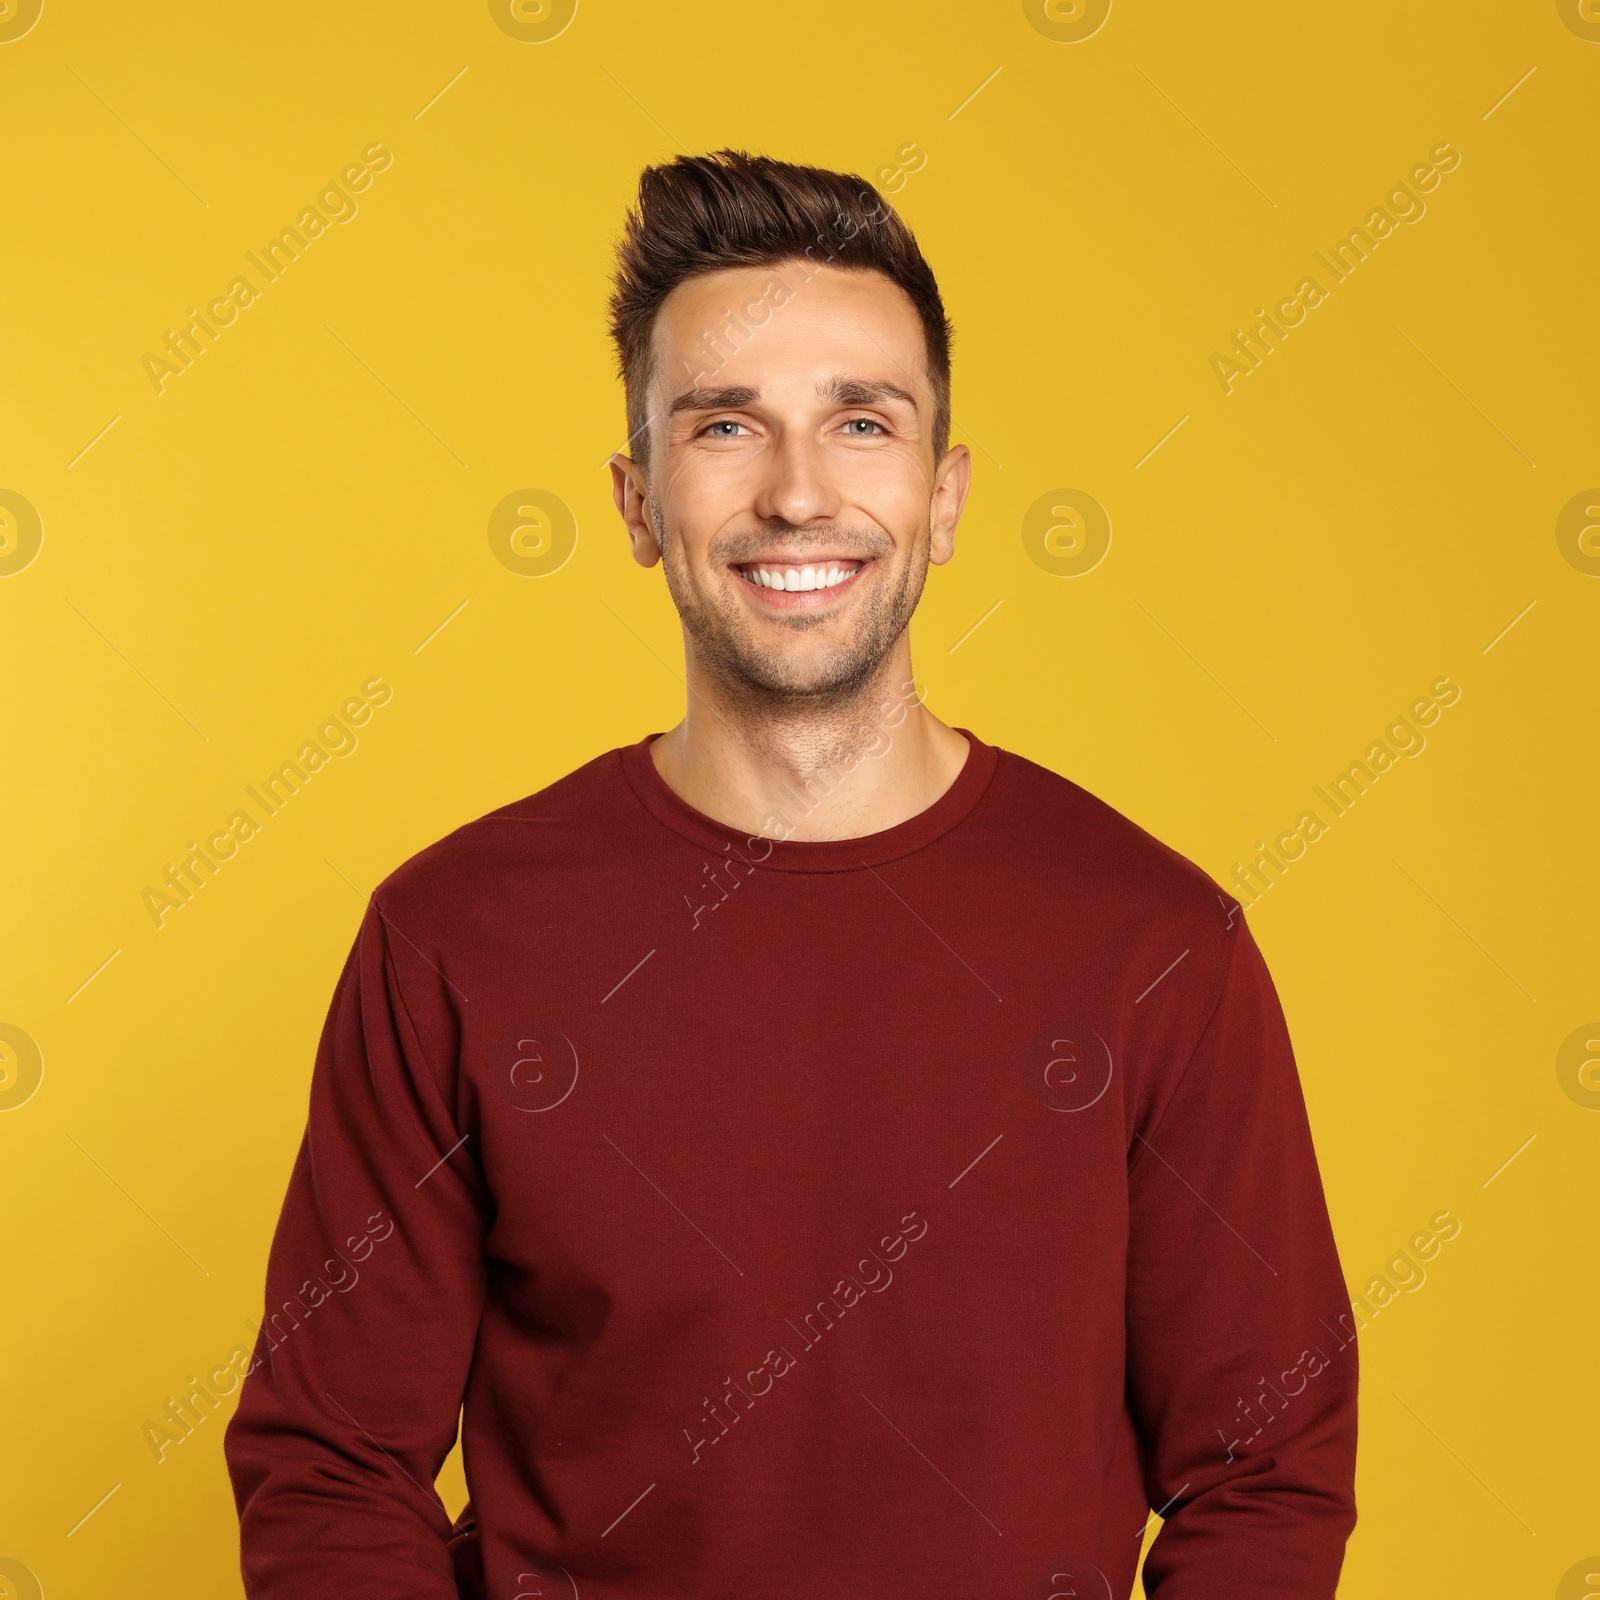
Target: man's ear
631	492
951	482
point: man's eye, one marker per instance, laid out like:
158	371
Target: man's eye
863	427
726	429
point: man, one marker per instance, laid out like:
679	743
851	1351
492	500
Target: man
812	1151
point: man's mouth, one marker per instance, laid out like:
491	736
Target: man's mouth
799	578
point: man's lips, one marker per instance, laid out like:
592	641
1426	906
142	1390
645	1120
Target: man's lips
804	585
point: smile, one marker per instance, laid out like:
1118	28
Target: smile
799	579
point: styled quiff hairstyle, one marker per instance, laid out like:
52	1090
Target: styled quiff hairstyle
700	214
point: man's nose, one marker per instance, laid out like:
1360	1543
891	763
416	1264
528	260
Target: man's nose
797	486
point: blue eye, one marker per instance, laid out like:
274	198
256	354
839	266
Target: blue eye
713	429
857	424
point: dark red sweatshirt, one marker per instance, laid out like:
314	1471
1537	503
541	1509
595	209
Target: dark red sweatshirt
885	1217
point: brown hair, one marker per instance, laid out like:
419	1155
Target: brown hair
701	214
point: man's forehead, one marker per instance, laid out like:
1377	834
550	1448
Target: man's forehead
783	333
788	301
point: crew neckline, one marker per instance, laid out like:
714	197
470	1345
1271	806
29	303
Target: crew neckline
814	855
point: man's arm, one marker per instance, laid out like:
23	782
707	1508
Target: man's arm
375	1283
1241	1375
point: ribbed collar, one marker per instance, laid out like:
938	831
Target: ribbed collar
814	855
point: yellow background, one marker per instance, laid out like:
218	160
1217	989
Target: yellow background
304	506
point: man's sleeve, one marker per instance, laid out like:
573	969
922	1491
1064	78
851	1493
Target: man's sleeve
1241	1350
375	1283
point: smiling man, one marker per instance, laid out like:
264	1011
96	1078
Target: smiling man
825	1154
799	444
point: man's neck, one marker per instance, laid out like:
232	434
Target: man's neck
801	770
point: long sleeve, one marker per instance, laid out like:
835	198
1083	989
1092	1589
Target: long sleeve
1241	1373
375	1283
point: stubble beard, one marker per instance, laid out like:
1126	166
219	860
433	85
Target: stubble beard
767	680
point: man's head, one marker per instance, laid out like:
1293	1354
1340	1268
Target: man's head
787	364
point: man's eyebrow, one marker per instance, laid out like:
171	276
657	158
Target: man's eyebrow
861	392
835	391
729	399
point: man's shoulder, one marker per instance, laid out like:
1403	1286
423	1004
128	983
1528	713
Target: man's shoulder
1076	840
583	811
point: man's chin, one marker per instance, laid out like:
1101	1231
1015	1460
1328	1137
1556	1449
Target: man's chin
800	677
778	681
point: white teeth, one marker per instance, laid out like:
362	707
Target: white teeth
798	579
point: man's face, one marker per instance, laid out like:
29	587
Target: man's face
792	487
